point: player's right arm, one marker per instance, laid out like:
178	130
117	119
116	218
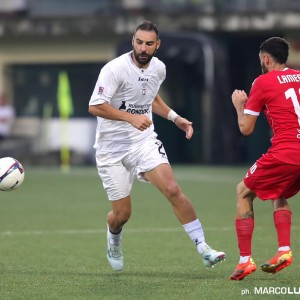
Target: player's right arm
99	105
106	111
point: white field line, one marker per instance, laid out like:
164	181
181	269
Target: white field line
100	231
103	231
180	175
206	178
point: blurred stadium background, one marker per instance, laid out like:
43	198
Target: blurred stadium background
210	47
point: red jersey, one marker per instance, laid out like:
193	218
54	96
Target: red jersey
277	94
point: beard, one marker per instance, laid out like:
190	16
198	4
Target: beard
264	69
143	59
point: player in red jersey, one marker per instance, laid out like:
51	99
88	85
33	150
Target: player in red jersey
275	175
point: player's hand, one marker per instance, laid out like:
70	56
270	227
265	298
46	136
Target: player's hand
140	122
239	98
185	125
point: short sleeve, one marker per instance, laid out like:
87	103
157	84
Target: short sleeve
106	86
162	72
256	101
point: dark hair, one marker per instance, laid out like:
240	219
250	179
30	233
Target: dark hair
277	47
148	26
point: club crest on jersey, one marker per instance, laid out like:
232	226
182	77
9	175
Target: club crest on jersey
101	89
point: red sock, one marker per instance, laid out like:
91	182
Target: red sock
283	221
244	231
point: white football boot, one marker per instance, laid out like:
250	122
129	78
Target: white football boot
211	257
114	254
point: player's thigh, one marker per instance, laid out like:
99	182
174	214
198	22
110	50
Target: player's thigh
117	180
146	158
244	192
161	176
271	179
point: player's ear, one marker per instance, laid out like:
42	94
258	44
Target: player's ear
267	58
158	44
132	41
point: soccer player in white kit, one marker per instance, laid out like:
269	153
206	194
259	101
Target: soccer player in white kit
7	117
125	95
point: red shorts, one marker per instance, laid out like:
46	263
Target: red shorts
271	179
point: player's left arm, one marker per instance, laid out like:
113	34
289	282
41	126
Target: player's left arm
160	108
246	122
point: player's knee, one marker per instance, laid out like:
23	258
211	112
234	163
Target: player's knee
123	216
172	190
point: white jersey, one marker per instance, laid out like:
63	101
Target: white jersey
7	116
126	87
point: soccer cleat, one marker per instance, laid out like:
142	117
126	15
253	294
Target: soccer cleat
211	257
280	261
114	254
243	270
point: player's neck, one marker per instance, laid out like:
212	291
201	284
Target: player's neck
278	67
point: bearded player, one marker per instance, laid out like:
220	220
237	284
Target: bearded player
127	147
275	175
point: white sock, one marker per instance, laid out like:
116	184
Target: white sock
243	259
284	248
115	239
201	247
196	234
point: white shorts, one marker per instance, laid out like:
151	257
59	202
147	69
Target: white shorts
119	170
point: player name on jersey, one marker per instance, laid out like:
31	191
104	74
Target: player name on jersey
288	78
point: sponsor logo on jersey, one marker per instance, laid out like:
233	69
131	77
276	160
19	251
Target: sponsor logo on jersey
142	79
135	109
123	106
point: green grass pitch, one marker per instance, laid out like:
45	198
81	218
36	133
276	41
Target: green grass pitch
53	240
